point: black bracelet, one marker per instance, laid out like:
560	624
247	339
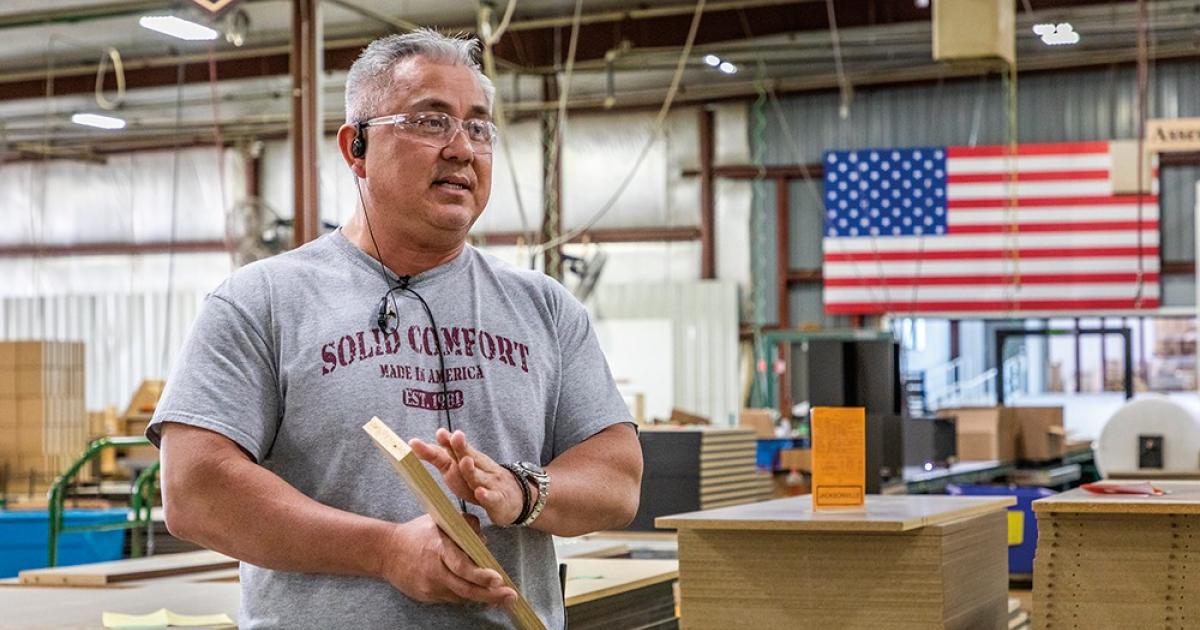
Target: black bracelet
525	503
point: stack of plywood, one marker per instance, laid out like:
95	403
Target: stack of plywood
602	594
43	422
1118	561
687	469
901	562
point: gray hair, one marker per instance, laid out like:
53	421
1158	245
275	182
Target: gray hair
371	76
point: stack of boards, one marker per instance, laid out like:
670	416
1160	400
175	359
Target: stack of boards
697	468
603	594
901	562
1018	619
1118	561
107	573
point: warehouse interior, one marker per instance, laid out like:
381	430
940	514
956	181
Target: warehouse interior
956	238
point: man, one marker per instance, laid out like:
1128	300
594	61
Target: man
263	455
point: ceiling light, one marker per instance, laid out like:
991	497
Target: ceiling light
177	27
728	68
712	60
1057	34
96	120
922	4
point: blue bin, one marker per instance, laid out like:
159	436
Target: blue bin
23	539
767	457
1020	557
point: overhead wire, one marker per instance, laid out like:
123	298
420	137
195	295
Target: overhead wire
166	340
118	72
655	135
501	118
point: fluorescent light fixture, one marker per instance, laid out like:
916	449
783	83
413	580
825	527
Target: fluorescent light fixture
922	4
96	120
177	27
1057	34
712	60
728	68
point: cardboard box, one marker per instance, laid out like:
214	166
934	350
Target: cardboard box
31	354
1041	433
8	355
34	381
8	381
799	459
758	420
984	433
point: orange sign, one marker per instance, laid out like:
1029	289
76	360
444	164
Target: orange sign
216	7
839	451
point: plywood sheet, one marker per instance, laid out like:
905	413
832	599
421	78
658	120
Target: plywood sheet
102	573
590	579
78	608
450	521
879	514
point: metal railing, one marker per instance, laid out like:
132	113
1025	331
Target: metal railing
141	500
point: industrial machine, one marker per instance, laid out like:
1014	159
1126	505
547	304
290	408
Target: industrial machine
1151	435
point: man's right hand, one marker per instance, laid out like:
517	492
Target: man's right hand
422	562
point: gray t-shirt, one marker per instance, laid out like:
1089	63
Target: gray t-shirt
286	359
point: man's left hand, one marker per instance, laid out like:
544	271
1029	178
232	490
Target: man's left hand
473	476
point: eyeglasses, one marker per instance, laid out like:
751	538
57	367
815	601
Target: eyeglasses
437	129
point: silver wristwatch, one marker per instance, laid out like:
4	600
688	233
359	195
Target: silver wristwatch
532	472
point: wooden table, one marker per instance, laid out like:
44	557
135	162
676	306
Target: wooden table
1118	560
902	562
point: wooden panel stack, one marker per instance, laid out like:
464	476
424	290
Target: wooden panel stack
1118	561
603	594
697	468
43	422
902	562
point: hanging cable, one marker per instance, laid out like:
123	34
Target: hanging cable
166	342
495	35
1143	83
501	119
118	73
655	133
844	87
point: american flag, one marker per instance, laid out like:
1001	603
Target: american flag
935	229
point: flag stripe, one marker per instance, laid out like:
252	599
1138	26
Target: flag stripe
992	266
1066	215
1043	148
1034	202
1150	253
1089	226
975	293
1004	177
1035	164
951	306
1043	189
985	242
968	280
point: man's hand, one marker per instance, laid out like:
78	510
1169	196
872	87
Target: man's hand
473	476
423	562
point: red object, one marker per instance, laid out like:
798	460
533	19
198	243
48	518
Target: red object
1143	488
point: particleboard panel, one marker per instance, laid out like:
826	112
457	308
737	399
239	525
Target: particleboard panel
879	514
37	607
951	575
588	548
1183	497
445	515
590	579
102	573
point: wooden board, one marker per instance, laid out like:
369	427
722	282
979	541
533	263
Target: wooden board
102	573
588	548
78	608
446	516
1183	497
589	579
880	514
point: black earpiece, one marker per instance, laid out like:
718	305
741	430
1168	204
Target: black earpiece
358	146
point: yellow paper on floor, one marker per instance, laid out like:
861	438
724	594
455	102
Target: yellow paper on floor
162	618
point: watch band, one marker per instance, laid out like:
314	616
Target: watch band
543	483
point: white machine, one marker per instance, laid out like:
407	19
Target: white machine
1151	433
